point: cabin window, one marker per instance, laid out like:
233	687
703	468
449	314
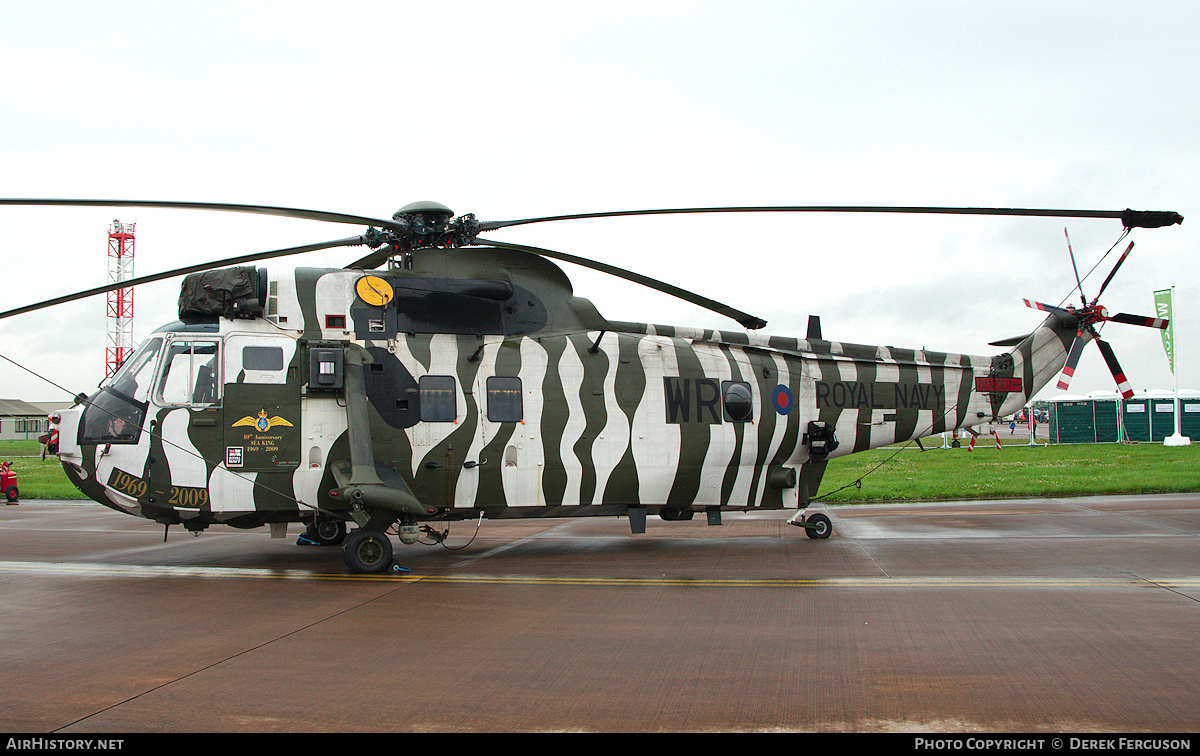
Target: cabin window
504	400
438	400
739	404
262	358
189	374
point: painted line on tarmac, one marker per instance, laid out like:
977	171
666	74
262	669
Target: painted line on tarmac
88	569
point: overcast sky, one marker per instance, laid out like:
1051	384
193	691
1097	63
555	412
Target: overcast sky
519	109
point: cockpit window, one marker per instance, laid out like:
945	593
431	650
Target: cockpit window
114	414
190	373
111	418
133	378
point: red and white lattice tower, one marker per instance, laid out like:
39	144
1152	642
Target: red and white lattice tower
120	301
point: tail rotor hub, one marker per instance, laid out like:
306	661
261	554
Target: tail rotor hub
1091	314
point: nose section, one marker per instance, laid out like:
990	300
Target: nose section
79	461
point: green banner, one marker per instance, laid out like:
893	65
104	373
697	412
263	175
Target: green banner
1162	304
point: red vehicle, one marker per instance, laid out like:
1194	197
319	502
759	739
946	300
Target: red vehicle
8	482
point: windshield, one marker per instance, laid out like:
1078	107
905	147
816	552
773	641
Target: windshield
115	413
133	378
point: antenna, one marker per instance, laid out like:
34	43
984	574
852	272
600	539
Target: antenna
120	301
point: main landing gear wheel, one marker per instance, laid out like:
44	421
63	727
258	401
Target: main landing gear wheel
818	526
367	551
326	532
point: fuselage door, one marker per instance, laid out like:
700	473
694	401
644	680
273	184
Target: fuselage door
261	423
262	403
187	436
504	460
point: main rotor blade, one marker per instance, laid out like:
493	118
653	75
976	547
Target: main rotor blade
351	241
1104	285
1140	320
1131	218
287	212
747	320
1115	368
374	259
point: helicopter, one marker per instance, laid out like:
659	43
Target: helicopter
444	377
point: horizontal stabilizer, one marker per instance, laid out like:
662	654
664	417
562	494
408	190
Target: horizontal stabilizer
1011	341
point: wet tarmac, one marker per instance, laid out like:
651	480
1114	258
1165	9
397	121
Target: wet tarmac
1044	615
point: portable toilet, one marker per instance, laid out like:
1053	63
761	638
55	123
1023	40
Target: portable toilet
1135	417
1078	419
1162	414
1189	420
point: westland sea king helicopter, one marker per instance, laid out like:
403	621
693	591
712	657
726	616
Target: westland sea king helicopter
445	377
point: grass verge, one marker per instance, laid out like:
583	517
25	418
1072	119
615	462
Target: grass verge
902	474
1013	471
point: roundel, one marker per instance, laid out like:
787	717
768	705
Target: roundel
373	290
782	397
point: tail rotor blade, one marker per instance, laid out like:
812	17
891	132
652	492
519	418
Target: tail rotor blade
1044	307
1104	285
1078	282
1140	320
1115	368
1081	339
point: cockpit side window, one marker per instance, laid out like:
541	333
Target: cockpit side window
190	373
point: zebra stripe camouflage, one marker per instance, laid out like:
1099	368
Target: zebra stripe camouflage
504	395
618	418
